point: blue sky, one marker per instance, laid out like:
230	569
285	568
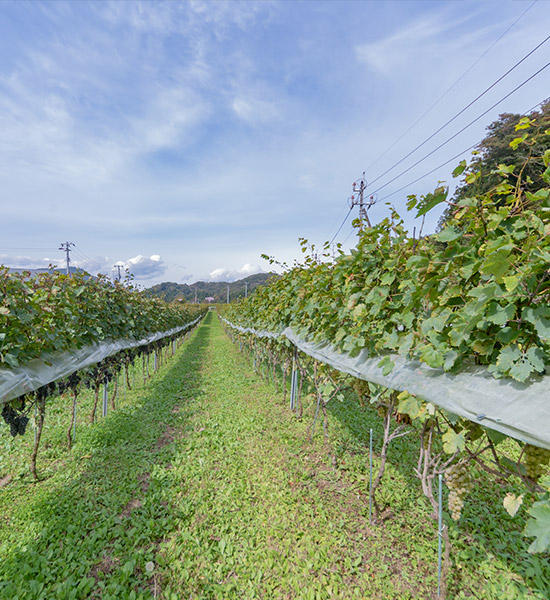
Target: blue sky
184	140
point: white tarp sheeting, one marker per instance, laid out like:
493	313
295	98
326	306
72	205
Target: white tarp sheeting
520	410
34	374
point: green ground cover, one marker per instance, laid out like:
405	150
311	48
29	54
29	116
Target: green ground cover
203	485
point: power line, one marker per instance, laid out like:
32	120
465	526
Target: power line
339	217
450	159
463	129
528	112
33	249
342	224
468	106
452	86
86	258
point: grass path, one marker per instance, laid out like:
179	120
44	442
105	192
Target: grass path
205	486
263	512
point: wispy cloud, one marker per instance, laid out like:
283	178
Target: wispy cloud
427	36
194	130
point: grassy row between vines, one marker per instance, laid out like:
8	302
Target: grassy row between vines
203	485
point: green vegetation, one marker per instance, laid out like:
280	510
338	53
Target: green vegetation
505	144
475	294
204	485
200	290
53	312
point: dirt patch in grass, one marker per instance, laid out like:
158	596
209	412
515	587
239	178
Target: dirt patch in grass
143	481
167	437
4	481
107	565
132	505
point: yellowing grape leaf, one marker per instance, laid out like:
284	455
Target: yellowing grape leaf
512	503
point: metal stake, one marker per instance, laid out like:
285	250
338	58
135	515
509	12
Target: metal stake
74	424
439	534
293	385
370	479
105	397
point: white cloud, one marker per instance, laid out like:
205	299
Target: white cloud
254	110
222	274
143	267
27	262
423	37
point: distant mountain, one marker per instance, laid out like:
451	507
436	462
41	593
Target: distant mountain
201	290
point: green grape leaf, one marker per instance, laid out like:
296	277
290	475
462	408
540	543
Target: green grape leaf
450	359
500	315
453	442
508	357
326	390
432	357
538	526
536	357
11	360
460	168
523	123
359	311
340	334
409	405
540	318
497	264
504	169
517	141
473	177
495	436
521	370
467	202
511	282
431	200
387	365
449	234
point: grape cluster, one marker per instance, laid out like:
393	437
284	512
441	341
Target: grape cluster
361	388
16	420
459	483
382	410
535	461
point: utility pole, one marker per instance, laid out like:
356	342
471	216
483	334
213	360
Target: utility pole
195	295
228	294
359	188
246	289
66	247
119	267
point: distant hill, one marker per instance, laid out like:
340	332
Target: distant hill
200	290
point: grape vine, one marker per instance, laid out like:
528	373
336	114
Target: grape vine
476	293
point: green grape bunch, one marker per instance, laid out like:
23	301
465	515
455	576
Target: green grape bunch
535	461
459	482
361	388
